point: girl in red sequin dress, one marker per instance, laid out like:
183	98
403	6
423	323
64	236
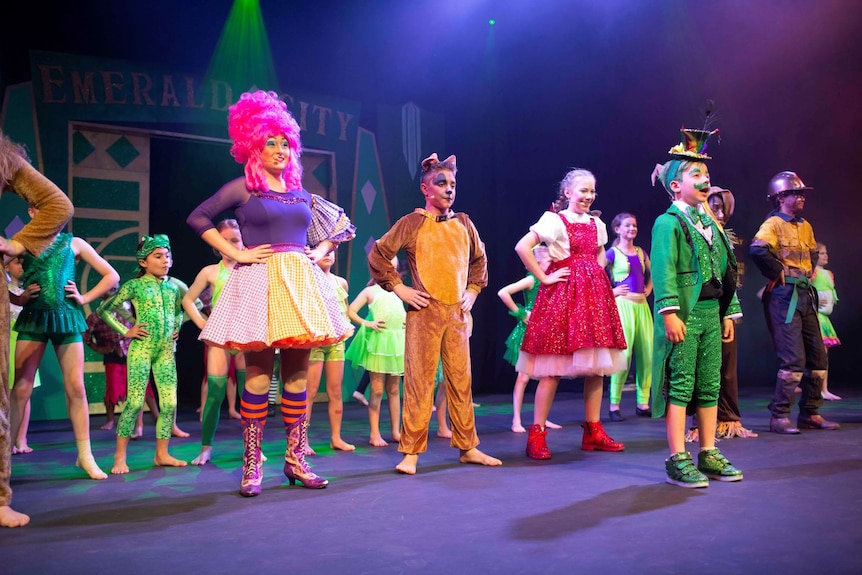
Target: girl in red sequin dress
574	328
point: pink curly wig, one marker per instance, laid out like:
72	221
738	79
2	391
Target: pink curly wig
256	117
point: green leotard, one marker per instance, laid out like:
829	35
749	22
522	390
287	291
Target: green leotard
157	304
51	313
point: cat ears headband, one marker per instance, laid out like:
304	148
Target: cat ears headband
431	162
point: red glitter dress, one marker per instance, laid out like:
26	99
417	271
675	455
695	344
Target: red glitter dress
574	328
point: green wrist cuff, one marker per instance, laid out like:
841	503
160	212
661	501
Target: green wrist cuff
521	314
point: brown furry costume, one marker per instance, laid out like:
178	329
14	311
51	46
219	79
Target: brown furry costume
55	210
446	258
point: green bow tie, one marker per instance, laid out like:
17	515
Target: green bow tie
696	215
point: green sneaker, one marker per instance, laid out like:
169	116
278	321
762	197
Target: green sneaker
681	471
716	466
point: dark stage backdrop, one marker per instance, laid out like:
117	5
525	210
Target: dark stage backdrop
603	85
183	173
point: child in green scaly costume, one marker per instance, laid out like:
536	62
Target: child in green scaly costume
158	313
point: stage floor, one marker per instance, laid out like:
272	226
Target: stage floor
796	511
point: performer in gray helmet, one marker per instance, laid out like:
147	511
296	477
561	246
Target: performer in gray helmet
785	251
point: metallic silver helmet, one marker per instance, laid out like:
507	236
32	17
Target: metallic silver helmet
785	182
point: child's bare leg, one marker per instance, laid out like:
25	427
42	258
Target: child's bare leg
443	430
71	359
231	399
28	355
518	400
176	431
21	441
139	426
828	395
11	518
375	398
110	406
707	421
120	465
335	405
592	398
315	371
675	426
393	394
545	392
163	458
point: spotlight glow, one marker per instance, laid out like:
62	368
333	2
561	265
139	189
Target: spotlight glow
242	56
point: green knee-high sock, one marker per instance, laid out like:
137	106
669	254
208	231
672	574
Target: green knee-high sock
240	382
216	385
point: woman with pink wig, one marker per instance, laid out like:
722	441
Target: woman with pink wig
276	297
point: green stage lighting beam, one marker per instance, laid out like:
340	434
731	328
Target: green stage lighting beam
242	56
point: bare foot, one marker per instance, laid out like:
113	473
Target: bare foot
444	433
828	396
729	429
234	414
88	464
137	433
11	518
168	460
408	464
377	441
396	436
692	435
309	450
120	467
204	456
479	458
262	457
108	426
360	398
341	445
551	425
518	428
177	432
21	448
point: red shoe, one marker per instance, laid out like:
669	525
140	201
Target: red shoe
537	447
596	439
